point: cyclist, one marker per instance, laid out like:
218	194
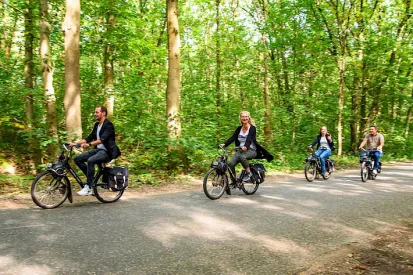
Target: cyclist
325	146
245	138
375	142
103	138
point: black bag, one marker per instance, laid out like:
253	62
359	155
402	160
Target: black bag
117	178
258	170
331	165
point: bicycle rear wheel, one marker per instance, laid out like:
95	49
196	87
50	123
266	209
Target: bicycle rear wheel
310	171
364	172
49	191
104	193
249	188
214	184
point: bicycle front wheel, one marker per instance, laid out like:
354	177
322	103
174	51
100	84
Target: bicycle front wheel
104	193
215	184
310	170
49	191
364	172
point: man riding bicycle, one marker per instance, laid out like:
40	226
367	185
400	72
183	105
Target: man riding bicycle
103	138
375	142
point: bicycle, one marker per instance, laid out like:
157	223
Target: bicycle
367	165
312	168
216	182
52	187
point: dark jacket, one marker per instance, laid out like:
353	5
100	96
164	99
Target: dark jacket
252	135
107	137
318	138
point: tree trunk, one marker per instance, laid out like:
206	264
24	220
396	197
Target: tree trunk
71	27
28	84
173	83
109	78
47	75
342	68
409	118
354	110
218	70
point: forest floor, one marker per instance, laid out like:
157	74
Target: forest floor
388	251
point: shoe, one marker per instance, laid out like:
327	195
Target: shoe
323	175
247	177
86	191
375	171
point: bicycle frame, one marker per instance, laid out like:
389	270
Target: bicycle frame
65	163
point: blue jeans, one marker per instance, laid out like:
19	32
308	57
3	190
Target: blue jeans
323	154
92	157
376	156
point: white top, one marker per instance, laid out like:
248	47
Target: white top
100	146
242	138
324	143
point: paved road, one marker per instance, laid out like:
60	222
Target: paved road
279	230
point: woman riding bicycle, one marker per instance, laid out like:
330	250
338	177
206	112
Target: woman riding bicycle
325	146
245	138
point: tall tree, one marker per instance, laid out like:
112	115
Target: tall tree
218	67
173	83
108	61
71	27
28	82
47	75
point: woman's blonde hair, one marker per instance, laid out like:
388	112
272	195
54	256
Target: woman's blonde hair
250	120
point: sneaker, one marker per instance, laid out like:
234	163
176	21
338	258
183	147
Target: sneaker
375	171
247	177
86	191
323	175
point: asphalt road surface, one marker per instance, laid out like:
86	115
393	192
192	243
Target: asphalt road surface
279	230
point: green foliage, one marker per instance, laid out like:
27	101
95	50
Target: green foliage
302	71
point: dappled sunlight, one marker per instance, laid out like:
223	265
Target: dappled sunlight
322	189
270	207
274	197
309	203
18	267
391	187
338	229
242	200
282	245
212	228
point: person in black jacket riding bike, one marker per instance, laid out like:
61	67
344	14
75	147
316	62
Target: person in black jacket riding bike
245	138
325	146
103	138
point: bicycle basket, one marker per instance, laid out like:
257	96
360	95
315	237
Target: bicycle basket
220	165
258	170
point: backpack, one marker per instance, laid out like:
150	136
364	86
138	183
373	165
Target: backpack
117	178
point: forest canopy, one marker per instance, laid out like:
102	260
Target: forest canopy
294	65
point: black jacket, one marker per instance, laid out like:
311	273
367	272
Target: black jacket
252	137
107	137
330	144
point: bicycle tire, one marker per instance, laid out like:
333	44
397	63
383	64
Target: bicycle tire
49	191
249	188
104	193
310	171
214	184
364	172
327	175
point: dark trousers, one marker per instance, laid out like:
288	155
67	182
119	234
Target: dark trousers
92	157
241	157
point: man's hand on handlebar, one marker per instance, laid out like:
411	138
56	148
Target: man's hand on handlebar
243	148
